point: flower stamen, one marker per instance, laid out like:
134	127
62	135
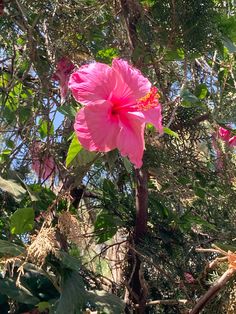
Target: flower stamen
150	100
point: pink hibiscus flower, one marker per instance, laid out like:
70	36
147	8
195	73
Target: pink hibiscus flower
42	164
118	101
62	74
227	137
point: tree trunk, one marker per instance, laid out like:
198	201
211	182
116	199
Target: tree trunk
137	287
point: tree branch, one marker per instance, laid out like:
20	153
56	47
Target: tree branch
141	204
170	302
210	294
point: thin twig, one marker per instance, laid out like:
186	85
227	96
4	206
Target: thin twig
166	302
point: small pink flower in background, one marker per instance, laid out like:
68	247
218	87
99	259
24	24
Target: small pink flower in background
42	164
189	278
118	101
224	134
227	137
63	70
232	141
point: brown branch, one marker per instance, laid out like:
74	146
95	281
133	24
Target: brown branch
141	204
210	294
166	302
207	250
131	12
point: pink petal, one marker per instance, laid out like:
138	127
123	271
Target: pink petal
130	140
137	83
232	141
152	116
96	127
224	134
93	82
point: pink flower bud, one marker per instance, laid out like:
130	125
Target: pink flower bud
42	163
63	70
189	278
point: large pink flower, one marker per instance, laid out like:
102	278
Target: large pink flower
42	163
62	74
118	101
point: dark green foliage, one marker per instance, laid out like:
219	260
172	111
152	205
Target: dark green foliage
186	24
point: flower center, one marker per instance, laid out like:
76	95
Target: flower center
150	100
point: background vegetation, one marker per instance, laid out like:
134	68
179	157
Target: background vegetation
76	243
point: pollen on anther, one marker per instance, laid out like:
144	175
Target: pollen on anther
150	100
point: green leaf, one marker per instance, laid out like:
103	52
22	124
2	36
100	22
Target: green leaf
6	152
74	149
127	164
16	90
24	114
200	192
229	45
41	196
73	294
227	26
108	188
105	226
170	132
22	220
188	99
106	302
10	249
184	180
19	294
201	91
148	3
186	221
78	155
106	55
67	110
8	114
43	306
12	187
85	157
201	178
45	128
10	143
174	55
164	211
69	261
